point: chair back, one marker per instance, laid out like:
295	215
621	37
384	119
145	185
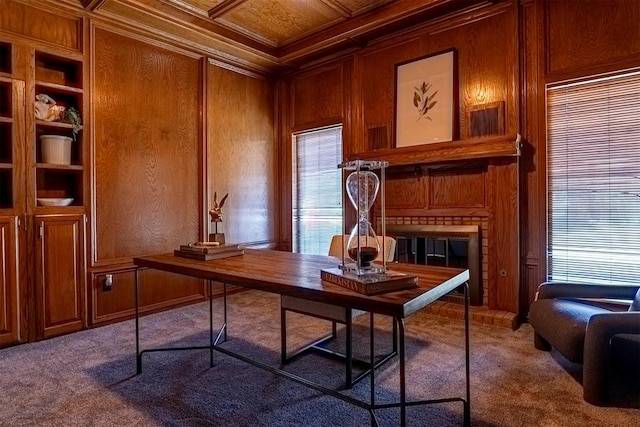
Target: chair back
635	304
336	247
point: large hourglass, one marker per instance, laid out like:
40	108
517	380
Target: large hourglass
363	247
364	261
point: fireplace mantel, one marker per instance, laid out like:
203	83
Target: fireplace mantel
469	150
471	182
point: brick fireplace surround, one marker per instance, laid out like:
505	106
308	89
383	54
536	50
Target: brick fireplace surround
452	309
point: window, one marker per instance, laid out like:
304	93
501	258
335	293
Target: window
593	166
317	189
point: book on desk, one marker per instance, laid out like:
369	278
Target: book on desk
369	284
206	251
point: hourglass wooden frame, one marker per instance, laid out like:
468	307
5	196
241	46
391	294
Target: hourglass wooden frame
354	265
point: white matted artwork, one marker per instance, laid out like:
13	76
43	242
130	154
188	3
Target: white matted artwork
426	100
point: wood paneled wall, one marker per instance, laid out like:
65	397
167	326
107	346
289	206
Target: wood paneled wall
146	167
43	25
376	94
317	97
146	112
562	40
589	34
242	154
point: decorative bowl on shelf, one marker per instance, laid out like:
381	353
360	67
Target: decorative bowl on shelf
55	201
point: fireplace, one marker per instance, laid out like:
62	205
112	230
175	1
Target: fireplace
445	246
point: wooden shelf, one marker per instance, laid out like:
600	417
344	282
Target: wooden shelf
58	125
49	166
6	166
469	150
48	210
59	88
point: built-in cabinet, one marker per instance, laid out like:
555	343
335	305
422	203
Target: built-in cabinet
60	274
9	307
42	231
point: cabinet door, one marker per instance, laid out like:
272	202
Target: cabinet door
9	310
60	274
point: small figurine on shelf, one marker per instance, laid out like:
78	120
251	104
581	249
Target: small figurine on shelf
216	217
46	108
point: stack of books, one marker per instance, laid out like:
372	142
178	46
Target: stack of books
206	251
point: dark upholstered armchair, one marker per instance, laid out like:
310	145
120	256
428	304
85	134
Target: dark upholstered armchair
596	325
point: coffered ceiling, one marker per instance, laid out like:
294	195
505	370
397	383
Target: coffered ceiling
272	35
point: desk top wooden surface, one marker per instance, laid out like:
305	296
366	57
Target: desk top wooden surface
298	275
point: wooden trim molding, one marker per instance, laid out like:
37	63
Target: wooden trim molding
448	152
93	5
223	7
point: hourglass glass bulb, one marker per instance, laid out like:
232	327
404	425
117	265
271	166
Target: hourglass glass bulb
362	188
363	246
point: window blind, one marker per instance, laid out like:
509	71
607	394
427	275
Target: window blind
593	166
317	189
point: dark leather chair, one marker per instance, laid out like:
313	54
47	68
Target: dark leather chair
596	325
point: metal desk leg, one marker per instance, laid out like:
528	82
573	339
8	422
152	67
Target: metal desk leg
395	337
372	356
224	295
349	348
211	341
403	385
467	403
138	355
223	329
283	335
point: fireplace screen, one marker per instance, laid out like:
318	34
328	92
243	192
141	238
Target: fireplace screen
445	246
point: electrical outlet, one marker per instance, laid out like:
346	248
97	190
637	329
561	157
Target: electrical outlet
108	283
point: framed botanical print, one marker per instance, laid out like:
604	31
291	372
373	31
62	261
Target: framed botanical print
427	100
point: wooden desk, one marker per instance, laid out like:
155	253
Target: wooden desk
298	275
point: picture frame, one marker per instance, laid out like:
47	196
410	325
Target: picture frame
426	104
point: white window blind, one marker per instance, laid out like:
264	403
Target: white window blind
317	189
594	180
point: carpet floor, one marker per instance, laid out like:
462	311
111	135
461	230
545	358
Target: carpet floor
88	378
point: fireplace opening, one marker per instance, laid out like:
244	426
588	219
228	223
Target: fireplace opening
444	246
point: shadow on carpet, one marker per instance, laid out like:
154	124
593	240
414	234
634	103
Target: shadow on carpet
179	388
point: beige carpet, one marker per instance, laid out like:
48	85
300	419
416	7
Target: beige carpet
88	378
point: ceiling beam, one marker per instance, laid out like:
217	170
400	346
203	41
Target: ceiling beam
393	16
224	7
92	5
337	7
200	23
